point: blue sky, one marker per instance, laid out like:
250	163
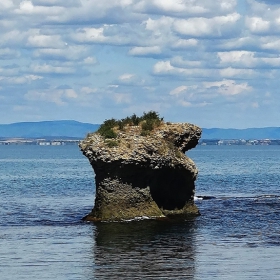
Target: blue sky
212	63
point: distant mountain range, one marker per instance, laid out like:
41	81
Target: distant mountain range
74	129
47	129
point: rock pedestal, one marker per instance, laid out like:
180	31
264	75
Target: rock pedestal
143	176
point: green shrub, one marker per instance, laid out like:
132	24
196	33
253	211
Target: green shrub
148	121
148	125
112	143
106	129
151	115
135	120
145	133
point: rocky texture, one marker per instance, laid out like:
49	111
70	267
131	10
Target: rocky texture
143	176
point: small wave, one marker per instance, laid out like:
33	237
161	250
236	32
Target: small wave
268	196
203	197
140	218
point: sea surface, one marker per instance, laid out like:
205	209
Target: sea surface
46	190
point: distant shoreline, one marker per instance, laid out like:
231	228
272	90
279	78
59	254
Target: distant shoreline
60	141
40	142
239	142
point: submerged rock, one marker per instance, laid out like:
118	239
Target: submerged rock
143	176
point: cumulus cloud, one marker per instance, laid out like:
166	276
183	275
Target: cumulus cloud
45	41
90	35
257	25
126	77
125	54
6	5
191	96
208	27
144	51
228	87
68	53
165	68
184	44
8	53
185	7
50	69
61	3
206	93
57	96
247	59
28	8
90	60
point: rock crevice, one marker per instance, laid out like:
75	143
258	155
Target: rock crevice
143	176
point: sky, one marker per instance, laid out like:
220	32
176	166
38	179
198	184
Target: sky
211	63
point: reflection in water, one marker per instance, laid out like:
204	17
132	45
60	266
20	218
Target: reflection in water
144	249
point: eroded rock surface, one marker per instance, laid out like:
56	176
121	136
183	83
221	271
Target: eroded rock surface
143	176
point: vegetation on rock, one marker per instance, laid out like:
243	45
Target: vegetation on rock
112	143
148	121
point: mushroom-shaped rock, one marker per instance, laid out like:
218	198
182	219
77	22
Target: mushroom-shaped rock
143	174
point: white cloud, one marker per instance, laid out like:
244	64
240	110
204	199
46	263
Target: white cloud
122	98
57	96
178	90
88	90
144	51
70	53
90	35
153	53
90	60
45	41
178	61
165	68
246	59
13	38
61	3
228	87
271	44
257	24
6	5
207	27
186	7
184	43
125	77
19	80
8	53
191	96
49	69
237	73
27	8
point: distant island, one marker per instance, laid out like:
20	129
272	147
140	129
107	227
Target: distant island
64	132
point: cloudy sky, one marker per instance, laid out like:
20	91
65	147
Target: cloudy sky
212	63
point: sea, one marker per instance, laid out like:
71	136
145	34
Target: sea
46	190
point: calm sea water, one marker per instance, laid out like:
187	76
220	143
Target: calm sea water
45	191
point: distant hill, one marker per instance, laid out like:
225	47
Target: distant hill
74	129
47	129
246	134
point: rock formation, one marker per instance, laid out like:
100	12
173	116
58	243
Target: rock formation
143	174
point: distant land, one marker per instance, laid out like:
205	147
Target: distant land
74	129
246	134
47	129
